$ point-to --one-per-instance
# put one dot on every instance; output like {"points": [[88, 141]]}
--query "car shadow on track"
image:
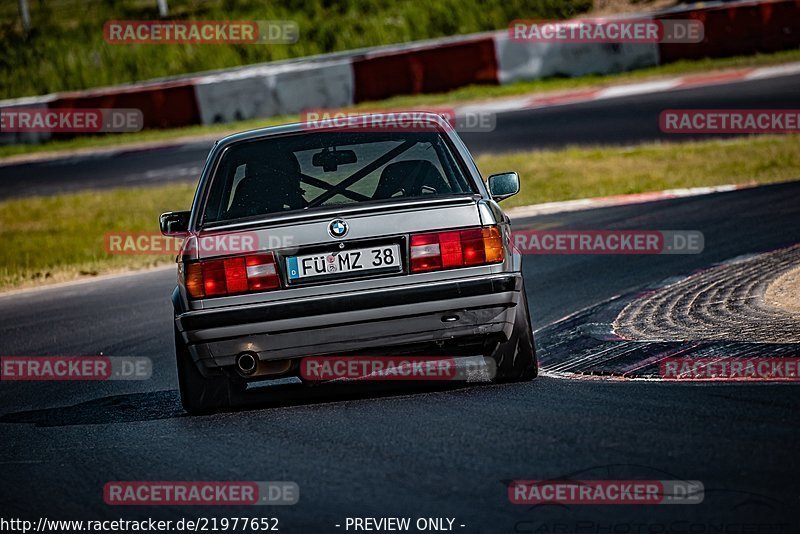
{"points": [[166, 404]]}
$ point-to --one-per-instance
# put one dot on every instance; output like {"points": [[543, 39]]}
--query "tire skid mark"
{"points": [[715, 314]]}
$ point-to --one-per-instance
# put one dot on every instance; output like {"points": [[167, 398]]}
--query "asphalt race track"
{"points": [[401, 451], [446, 452], [624, 120]]}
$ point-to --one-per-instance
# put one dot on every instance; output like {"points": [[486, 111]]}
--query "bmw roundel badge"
{"points": [[337, 228]]}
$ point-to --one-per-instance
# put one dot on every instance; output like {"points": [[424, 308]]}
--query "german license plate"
{"points": [[352, 261]]}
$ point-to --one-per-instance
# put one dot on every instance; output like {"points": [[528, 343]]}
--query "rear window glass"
{"points": [[322, 169]]}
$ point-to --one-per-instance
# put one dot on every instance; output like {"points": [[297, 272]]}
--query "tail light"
{"points": [[456, 248], [232, 276]]}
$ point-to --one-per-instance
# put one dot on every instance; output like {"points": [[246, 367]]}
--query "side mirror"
{"points": [[175, 223], [503, 185]]}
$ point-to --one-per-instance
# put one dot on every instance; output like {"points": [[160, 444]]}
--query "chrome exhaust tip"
{"points": [[246, 363]]}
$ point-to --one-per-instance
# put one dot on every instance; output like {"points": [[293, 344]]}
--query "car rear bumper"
{"points": [[354, 321]]}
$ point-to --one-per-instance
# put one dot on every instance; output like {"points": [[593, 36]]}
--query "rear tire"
{"points": [[516, 358], [202, 394]]}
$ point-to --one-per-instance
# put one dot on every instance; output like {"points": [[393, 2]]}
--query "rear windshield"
{"points": [[322, 169]]}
